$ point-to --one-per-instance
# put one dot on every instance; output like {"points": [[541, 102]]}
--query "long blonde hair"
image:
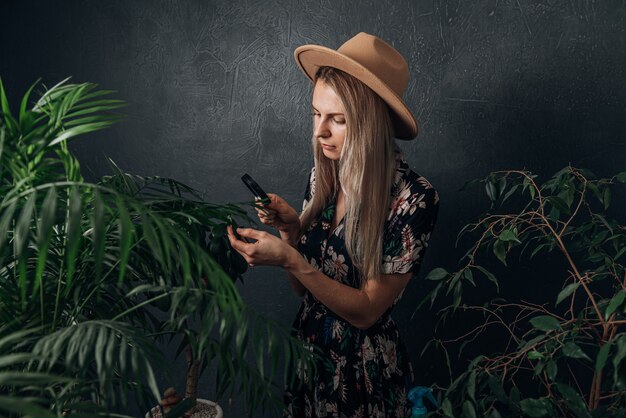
{"points": [[365, 171]]}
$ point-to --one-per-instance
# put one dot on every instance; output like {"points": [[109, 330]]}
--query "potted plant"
{"points": [[100, 271], [564, 356]]}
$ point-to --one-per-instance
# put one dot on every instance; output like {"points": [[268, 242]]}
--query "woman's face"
{"points": [[329, 120]]}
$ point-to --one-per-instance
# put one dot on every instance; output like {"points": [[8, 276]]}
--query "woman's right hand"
{"points": [[280, 215]]}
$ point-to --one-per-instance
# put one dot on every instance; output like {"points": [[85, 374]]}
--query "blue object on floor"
{"points": [[417, 395]]}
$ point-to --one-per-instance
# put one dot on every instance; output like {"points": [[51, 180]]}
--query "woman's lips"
{"points": [[328, 147]]}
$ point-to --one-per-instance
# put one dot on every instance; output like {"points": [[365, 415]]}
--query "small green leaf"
{"points": [[621, 177], [573, 400], [510, 192], [489, 276], [469, 276], [523, 345], [534, 355], [603, 355], [536, 408], [618, 357], [491, 190], [501, 185], [595, 190], [573, 350], [468, 184], [494, 413], [616, 302], [437, 274], [545, 323], [551, 369], [559, 204], [500, 251], [509, 235], [515, 394], [567, 291], [471, 385], [446, 408], [603, 220], [496, 388], [468, 410], [458, 294], [606, 197]]}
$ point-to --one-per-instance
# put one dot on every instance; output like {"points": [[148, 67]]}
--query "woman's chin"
{"points": [[331, 154]]}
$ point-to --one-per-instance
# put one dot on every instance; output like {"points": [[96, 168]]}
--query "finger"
{"points": [[250, 233], [265, 212], [264, 217], [260, 207], [234, 241], [231, 237], [271, 204], [239, 245]]}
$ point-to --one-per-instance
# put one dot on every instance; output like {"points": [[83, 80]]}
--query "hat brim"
{"points": [[311, 57]]}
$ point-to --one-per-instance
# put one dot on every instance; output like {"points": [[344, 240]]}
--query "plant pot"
{"points": [[207, 409]]}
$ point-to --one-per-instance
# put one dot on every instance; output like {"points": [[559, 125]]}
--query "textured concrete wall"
{"points": [[213, 92]]}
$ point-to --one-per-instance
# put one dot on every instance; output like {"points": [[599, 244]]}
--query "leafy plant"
{"points": [[566, 356], [100, 271]]}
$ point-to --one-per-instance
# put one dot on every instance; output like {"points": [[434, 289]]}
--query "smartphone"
{"points": [[257, 191]]}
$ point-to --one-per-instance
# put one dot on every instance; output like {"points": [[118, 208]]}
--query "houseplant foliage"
{"points": [[92, 274], [565, 357]]}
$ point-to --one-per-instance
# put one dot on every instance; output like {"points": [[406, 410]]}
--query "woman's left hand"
{"points": [[266, 250]]}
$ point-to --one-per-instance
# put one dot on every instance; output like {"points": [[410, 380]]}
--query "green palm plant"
{"points": [[100, 271]]}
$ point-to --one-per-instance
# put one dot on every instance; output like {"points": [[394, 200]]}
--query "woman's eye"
{"points": [[340, 121]]}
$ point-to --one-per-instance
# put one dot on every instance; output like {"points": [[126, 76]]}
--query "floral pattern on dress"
{"points": [[366, 373]]}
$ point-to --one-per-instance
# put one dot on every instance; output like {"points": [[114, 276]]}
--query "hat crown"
{"points": [[380, 58]]}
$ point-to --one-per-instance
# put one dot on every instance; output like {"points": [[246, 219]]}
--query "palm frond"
{"points": [[120, 352]]}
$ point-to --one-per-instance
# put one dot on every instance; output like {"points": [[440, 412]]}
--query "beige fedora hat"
{"points": [[375, 63]]}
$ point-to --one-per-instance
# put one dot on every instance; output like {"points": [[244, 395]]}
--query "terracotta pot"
{"points": [[220, 413]]}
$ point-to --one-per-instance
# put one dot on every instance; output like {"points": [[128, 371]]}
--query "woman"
{"points": [[361, 236]]}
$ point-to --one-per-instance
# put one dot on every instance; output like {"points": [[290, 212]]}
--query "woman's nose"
{"points": [[321, 129]]}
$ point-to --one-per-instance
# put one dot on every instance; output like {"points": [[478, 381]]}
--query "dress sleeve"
{"points": [[310, 189], [411, 220]]}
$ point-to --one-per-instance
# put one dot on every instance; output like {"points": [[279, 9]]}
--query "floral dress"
{"points": [[367, 373]]}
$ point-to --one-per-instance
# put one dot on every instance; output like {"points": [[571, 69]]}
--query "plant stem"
{"points": [[193, 369]]}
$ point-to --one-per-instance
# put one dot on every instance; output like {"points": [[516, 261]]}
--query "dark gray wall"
{"points": [[213, 92]]}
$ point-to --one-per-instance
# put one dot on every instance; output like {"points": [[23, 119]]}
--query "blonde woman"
{"points": [[361, 236]]}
